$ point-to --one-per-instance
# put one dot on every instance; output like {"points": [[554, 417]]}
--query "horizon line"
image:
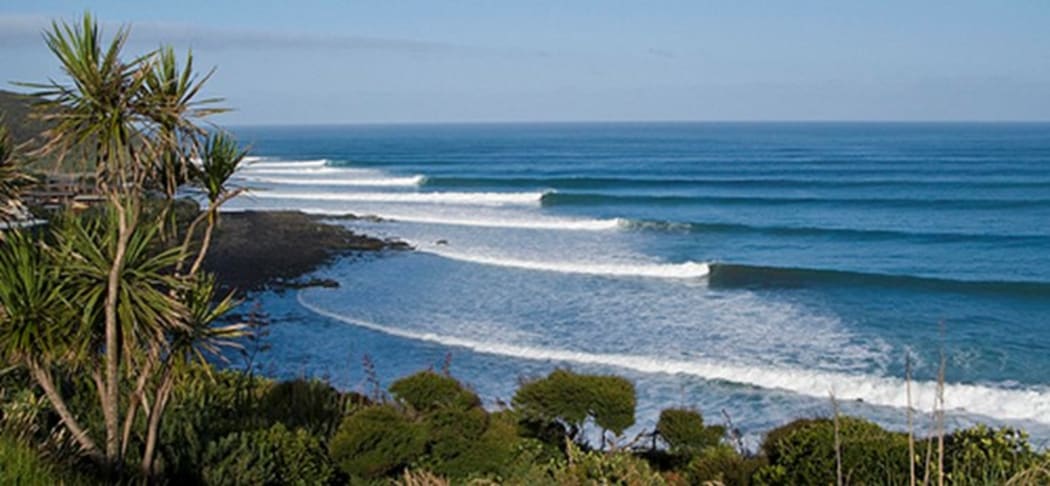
{"points": [[624, 122]]}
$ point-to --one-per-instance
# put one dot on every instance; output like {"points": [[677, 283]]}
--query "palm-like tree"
{"points": [[171, 94], [135, 317], [197, 342], [220, 160], [34, 321]]}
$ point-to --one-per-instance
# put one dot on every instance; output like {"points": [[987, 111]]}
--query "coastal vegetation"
{"points": [[117, 340]]}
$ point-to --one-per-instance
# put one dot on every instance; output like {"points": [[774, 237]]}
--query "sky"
{"points": [[409, 61]]}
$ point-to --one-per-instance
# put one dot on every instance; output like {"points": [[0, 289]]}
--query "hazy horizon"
{"points": [[325, 62]]}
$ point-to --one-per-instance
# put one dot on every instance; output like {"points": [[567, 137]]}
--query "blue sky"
{"points": [[344, 61]]}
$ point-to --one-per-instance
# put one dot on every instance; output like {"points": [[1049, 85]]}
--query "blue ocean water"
{"points": [[753, 268]]}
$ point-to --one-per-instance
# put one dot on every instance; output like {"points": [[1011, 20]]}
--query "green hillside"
{"points": [[15, 112]]}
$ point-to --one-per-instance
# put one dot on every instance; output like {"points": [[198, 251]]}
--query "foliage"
{"points": [[612, 468], [803, 452], [982, 455], [139, 318], [376, 441], [207, 406], [33, 307], [273, 456], [427, 391], [685, 433], [13, 177], [470, 443], [23, 466], [301, 403], [570, 399], [722, 464]]}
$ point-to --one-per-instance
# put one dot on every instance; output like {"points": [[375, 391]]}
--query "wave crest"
{"points": [[467, 198], [687, 270]]}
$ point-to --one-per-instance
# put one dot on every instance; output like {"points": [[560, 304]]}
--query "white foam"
{"points": [[254, 169], [654, 270], [286, 164], [484, 221], [341, 181], [470, 198], [1011, 404]]}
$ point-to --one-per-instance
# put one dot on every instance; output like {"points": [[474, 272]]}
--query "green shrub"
{"points": [[607, 468], [684, 431], [427, 391], [376, 441], [982, 455], [207, 407], [272, 456], [803, 452], [471, 443], [570, 399], [309, 404], [722, 464]]}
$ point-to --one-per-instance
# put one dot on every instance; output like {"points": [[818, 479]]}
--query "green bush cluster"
{"points": [[685, 433], [570, 399], [271, 456], [805, 451], [434, 422], [227, 427]]}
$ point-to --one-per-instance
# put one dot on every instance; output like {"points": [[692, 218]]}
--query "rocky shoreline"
{"points": [[253, 250]]}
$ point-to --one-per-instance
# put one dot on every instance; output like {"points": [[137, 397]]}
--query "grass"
{"points": [[21, 465]]}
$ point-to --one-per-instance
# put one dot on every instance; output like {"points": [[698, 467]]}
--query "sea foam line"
{"points": [[469, 198], [687, 270], [1009, 404], [253, 170], [486, 222], [340, 181], [285, 164]]}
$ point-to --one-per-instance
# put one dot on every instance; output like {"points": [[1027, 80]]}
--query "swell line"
{"points": [[686, 270], [1018, 404], [598, 199]]}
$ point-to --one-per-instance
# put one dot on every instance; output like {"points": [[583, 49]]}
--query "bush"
{"points": [[376, 441], [471, 443], [803, 452], [722, 464], [570, 399], [271, 456], [309, 404], [594, 467], [982, 455], [205, 408], [427, 391], [684, 431]]}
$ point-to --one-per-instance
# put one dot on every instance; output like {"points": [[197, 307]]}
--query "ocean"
{"points": [[749, 270]]}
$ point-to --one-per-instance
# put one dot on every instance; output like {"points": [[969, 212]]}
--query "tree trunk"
{"points": [[160, 402], [205, 243], [111, 401], [135, 399], [43, 378]]}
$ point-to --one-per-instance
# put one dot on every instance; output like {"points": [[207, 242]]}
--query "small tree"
{"points": [[685, 433], [127, 315], [570, 399]]}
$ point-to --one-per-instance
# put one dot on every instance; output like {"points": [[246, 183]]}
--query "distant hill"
{"points": [[14, 112], [15, 109]]}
